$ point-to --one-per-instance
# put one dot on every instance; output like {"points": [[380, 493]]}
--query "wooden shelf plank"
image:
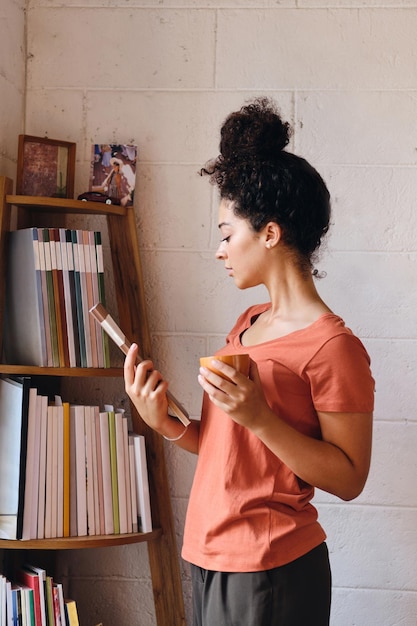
{"points": [[77, 543], [65, 205], [78, 372]]}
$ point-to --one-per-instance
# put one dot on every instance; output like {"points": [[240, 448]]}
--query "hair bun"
{"points": [[256, 132]]}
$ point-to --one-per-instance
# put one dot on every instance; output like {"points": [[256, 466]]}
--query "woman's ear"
{"points": [[272, 234]]}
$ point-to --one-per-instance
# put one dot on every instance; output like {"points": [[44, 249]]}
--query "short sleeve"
{"points": [[340, 376]]}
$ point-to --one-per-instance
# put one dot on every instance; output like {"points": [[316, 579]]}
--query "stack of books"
{"points": [[35, 599], [54, 276], [68, 470]]}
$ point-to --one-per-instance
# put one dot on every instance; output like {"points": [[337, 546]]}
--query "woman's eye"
{"points": [[225, 239]]}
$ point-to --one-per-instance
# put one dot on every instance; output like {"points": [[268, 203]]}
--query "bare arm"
{"points": [[338, 463], [147, 390]]}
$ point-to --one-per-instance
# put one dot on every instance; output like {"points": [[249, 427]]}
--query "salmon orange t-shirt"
{"points": [[247, 510]]}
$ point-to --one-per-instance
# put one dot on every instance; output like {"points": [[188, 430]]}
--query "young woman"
{"points": [[303, 417]]}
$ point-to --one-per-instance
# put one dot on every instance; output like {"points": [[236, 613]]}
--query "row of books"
{"points": [[53, 277], [35, 599], [68, 470]]}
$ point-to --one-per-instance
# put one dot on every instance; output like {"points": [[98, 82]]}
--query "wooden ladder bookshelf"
{"points": [[25, 211]]}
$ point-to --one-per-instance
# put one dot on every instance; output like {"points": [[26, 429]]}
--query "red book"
{"points": [[31, 580]]}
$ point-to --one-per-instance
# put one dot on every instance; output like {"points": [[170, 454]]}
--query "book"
{"points": [[101, 294], [88, 423], [100, 481], [31, 580], [73, 295], [71, 612], [36, 467], [66, 471], [73, 477], [96, 331], [133, 492], [59, 296], [83, 298], [67, 298], [106, 473], [113, 468], [3, 600], [59, 417], [28, 606], [61, 604], [49, 600], [109, 325], [41, 575], [78, 298], [14, 405], [127, 473], [40, 533], [24, 332], [89, 296], [80, 469], [51, 297], [121, 474], [30, 462], [94, 410], [51, 459], [45, 299], [142, 483]]}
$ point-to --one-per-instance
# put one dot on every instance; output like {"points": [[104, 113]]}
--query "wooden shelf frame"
{"points": [[129, 288]]}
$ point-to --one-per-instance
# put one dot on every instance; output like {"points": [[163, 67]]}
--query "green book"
{"points": [[113, 468]]}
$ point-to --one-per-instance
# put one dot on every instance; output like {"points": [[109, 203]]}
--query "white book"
{"points": [[2, 601], [73, 476], [94, 415], [36, 464], [142, 484], [9, 609], [91, 521], [127, 475], [121, 478], [59, 416], [60, 590], [133, 496], [50, 459], [100, 486], [14, 396], [80, 467], [30, 464], [42, 468], [106, 472]]}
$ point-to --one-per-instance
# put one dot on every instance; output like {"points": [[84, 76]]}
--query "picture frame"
{"points": [[113, 172], [45, 167]]}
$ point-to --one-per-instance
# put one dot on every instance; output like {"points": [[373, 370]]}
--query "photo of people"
{"points": [[113, 172]]}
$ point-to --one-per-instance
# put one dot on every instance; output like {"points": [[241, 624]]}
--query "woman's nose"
{"points": [[220, 252]]}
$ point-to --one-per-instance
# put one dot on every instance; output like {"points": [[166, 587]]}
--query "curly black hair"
{"points": [[267, 183]]}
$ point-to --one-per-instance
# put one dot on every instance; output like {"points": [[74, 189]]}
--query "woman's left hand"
{"points": [[240, 397]]}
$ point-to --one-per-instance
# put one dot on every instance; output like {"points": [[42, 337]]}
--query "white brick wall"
{"points": [[12, 82], [164, 74]]}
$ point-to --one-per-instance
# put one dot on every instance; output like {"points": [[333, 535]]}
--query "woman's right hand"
{"points": [[147, 390]]}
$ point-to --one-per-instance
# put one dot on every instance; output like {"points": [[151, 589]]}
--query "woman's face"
{"points": [[241, 248]]}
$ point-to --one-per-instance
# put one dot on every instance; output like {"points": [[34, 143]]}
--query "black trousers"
{"points": [[296, 594]]}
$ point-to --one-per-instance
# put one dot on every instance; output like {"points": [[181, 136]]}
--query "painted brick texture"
{"points": [[163, 75]]}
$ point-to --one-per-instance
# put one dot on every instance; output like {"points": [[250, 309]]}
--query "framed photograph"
{"points": [[113, 172], [45, 167]]}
